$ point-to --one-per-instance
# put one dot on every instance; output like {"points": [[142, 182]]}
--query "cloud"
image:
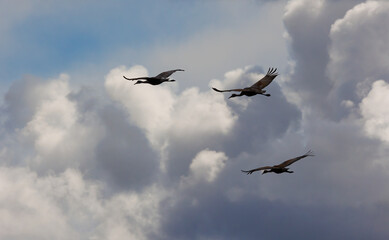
{"points": [[107, 147], [34, 204], [272, 130], [149, 108], [358, 55], [55, 116], [374, 111], [48, 126], [332, 78], [123, 157], [308, 32], [166, 117], [74, 205], [206, 166], [346, 158]]}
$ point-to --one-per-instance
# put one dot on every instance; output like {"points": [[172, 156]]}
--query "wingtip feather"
{"points": [[272, 71], [310, 153]]}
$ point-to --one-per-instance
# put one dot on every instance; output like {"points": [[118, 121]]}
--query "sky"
{"points": [[85, 154]]}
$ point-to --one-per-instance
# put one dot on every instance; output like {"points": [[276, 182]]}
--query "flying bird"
{"points": [[280, 168], [160, 78], [256, 88]]}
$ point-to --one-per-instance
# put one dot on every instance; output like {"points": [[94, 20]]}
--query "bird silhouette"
{"points": [[160, 78], [256, 88], [280, 168]]}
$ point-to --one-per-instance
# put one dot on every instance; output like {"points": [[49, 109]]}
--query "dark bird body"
{"points": [[256, 88], [280, 168], [160, 78]]}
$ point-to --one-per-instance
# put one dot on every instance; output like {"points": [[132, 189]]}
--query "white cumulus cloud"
{"points": [[206, 166], [190, 116], [375, 111]]}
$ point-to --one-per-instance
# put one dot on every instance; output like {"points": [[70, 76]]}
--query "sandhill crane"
{"points": [[160, 78], [256, 88], [280, 168]]}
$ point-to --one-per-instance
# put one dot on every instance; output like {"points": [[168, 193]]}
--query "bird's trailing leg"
{"points": [[266, 171], [263, 93], [247, 172], [236, 95], [138, 82]]}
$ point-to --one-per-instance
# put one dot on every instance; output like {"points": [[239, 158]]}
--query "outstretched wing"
{"points": [[266, 80], [138, 78], [167, 73], [229, 90], [256, 169], [290, 161]]}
